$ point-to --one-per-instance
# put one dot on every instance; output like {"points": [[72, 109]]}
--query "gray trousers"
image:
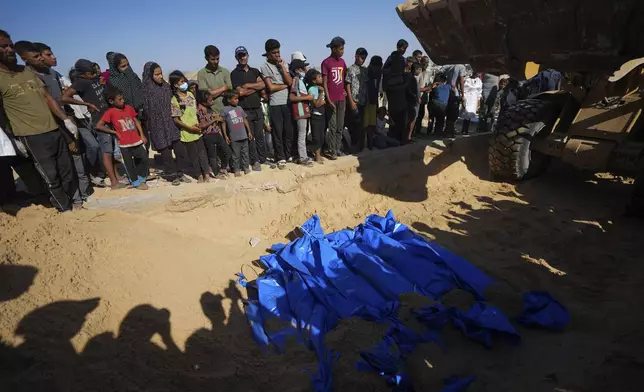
{"points": [[240, 155], [302, 127], [336, 126], [81, 194]]}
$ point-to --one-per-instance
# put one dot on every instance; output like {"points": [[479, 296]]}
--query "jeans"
{"points": [[282, 125], [216, 144], [54, 163], [135, 160], [257, 146], [318, 130], [336, 126], [240, 155], [382, 142], [82, 192], [92, 149], [182, 164], [438, 111], [198, 158], [451, 114], [302, 128]]}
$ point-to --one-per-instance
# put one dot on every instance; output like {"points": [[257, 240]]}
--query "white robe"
{"points": [[473, 90]]}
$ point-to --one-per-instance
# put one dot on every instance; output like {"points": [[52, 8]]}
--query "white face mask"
{"points": [[184, 87]]}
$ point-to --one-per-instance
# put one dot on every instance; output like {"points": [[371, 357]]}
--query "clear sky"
{"points": [[174, 33]]}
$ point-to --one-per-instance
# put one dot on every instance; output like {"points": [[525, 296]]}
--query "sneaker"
{"points": [[238, 174], [257, 166], [185, 179], [143, 187], [246, 171], [281, 165], [304, 162], [290, 160], [98, 182]]}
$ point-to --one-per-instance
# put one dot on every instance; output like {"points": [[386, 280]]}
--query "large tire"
{"points": [[510, 156]]}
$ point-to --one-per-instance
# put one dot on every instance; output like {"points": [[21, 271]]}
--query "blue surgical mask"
{"points": [[302, 74], [184, 86]]}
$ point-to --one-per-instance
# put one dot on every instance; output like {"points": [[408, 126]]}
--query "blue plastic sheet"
{"points": [[541, 310], [456, 384], [318, 279]]}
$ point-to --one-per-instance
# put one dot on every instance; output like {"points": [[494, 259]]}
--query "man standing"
{"points": [[356, 85], [278, 80], [214, 78], [248, 83], [29, 108], [334, 71], [456, 78], [425, 82]]}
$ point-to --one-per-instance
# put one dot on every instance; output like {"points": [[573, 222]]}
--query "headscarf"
{"points": [[128, 82], [157, 109]]}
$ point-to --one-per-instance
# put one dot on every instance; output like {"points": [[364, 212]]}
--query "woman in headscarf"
{"points": [[164, 134], [123, 78]]}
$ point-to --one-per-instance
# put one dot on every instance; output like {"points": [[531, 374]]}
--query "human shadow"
{"points": [[402, 174], [562, 233], [47, 360], [15, 280]]}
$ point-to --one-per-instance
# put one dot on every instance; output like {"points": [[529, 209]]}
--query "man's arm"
{"points": [[258, 85], [53, 105], [101, 127], [273, 87], [68, 98], [285, 74], [326, 90]]}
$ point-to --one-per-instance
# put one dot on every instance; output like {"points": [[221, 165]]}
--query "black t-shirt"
{"points": [[91, 91], [239, 77]]}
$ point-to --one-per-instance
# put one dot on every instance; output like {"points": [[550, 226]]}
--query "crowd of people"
{"points": [[71, 133]]}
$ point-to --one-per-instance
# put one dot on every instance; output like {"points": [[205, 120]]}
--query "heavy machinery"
{"points": [[594, 121]]}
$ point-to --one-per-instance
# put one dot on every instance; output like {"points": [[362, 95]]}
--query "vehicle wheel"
{"points": [[510, 156]]}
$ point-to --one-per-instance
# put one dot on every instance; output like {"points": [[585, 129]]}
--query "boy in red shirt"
{"points": [[127, 128]]}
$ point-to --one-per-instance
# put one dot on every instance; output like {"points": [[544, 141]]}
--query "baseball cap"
{"points": [[84, 65], [298, 56], [362, 52], [336, 41], [271, 45], [240, 49], [295, 64]]}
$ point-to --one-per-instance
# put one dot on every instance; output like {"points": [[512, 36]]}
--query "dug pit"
{"points": [[138, 294]]}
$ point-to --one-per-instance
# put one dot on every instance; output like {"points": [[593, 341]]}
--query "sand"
{"points": [[137, 293]]}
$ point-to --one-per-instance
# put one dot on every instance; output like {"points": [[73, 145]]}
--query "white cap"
{"points": [[504, 76], [298, 56]]}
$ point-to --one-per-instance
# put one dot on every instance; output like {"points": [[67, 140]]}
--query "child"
{"points": [[439, 98], [374, 90], [129, 133], [301, 101], [210, 124], [193, 87], [334, 72], [236, 132], [315, 84], [184, 113], [381, 138]]}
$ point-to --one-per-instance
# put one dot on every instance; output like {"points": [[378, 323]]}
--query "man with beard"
{"points": [[248, 82], [28, 107]]}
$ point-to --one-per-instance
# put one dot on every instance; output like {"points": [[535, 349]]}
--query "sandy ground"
{"points": [[137, 293]]}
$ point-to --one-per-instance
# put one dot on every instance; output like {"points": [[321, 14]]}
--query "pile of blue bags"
{"points": [[316, 280]]}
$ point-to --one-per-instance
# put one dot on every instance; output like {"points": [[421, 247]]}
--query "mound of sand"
{"points": [[139, 294]]}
